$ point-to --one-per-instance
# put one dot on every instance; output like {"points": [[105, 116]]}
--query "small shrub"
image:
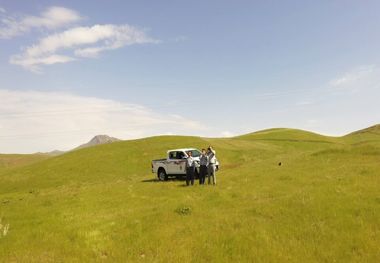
{"points": [[183, 211]]}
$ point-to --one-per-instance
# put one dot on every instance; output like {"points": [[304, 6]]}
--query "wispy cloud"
{"points": [[82, 42], [51, 18], [356, 78], [41, 121]]}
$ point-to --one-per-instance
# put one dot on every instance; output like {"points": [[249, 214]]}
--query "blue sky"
{"points": [[74, 69]]}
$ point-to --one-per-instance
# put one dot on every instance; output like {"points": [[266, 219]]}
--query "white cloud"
{"points": [[52, 18], [31, 62], [360, 76], [82, 41], [32, 121], [2, 10]]}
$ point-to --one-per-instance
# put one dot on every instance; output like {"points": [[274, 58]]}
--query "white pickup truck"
{"points": [[175, 164]]}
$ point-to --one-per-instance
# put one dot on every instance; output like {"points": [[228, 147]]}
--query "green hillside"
{"points": [[365, 136], [8, 161], [103, 204], [283, 134]]}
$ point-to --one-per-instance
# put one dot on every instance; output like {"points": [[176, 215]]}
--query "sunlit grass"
{"points": [[103, 204]]}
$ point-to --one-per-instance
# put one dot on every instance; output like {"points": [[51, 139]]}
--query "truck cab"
{"points": [[176, 160], [175, 163]]}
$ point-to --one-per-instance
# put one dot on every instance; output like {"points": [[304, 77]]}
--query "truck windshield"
{"points": [[195, 153]]}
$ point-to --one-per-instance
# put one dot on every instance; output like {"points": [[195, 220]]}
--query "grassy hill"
{"points": [[8, 161], [103, 204], [365, 136]]}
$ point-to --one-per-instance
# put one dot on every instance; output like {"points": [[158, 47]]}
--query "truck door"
{"points": [[175, 163]]}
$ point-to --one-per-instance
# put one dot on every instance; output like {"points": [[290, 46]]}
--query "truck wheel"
{"points": [[161, 174]]}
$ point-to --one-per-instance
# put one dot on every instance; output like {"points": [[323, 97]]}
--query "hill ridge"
{"points": [[375, 129]]}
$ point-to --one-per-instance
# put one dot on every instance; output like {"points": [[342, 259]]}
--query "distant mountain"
{"points": [[97, 140], [52, 153]]}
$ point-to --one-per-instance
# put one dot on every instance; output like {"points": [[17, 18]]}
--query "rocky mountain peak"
{"points": [[99, 139]]}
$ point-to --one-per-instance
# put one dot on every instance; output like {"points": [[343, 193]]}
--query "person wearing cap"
{"points": [[211, 153]]}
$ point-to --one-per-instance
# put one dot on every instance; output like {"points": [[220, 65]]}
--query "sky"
{"points": [[70, 70]]}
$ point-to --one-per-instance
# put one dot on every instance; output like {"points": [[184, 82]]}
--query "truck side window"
{"points": [[173, 155], [180, 155]]}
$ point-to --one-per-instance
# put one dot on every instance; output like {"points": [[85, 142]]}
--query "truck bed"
{"points": [[159, 160]]}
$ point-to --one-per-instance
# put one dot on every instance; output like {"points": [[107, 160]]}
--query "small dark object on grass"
{"points": [[279, 164], [183, 211]]}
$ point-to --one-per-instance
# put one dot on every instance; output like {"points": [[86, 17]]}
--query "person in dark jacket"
{"points": [[203, 162], [190, 168]]}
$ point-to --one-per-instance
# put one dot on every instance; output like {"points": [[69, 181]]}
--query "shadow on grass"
{"points": [[181, 180], [170, 179], [151, 181], [196, 184]]}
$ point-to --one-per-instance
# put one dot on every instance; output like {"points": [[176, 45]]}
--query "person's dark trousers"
{"points": [[202, 174], [190, 175]]}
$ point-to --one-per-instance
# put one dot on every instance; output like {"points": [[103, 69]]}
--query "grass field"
{"points": [[102, 204], [8, 161]]}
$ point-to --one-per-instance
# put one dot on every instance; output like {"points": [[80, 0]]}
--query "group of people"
{"points": [[207, 167]]}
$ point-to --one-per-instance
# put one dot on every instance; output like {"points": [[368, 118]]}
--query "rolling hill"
{"points": [[103, 204], [8, 161]]}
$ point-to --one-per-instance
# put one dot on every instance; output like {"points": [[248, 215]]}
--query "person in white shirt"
{"points": [[211, 153], [190, 168]]}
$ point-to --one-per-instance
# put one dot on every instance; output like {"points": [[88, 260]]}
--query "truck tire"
{"points": [[161, 174]]}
